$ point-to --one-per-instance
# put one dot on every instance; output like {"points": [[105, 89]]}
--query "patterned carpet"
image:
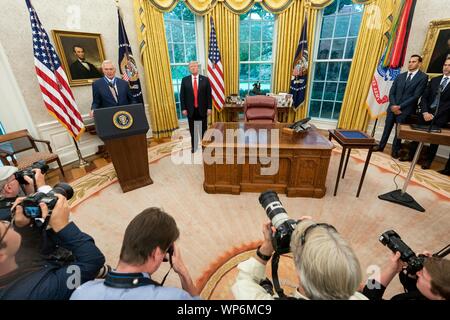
{"points": [[216, 236]]}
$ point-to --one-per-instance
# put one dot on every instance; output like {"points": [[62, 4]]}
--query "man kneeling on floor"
{"points": [[149, 238]]}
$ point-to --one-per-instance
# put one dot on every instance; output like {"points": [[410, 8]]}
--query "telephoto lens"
{"points": [[274, 209], [64, 189]]}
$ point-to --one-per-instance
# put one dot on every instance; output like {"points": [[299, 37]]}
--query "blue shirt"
{"points": [[96, 290]]}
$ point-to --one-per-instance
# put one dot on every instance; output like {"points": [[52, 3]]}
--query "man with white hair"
{"points": [[110, 91]]}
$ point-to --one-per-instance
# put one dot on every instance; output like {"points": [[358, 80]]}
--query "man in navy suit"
{"points": [[196, 101], [437, 94], [110, 91], [403, 96]]}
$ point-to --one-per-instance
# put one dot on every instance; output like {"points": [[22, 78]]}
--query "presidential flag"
{"points": [[58, 97], [299, 77], [215, 70], [127, 64]]}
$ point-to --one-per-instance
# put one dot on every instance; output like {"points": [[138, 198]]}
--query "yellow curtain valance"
{"points": [[320, 4], [202, 7]]}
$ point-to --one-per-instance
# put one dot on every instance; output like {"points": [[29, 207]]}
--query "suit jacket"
{"points": [[406, 94], [78, 71], [187, 95], [103, 98], [428, 97]]}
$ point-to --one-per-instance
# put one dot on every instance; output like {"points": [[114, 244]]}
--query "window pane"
{"points": [[314, 110], [189, 32], [330, 91], [337, 110], [330, 9], [255, 54], [179, 52], [243, 71], [266, 71], [243, 88], [168, 32], [177, 32], [345, 71], [350, 49], [358, 7], [170, 53], [244, 31], [244, 51], [341, 91], [254, 71], [342, 23], [266, 51], [324, 49], [321, 70], [354, 25], [267, 34], [255, 31], [327, 110], [317, 90], [327, 27], [345, 6], [333, 71], [187, 14], [265, 87], [191, 53], [337, 52]]}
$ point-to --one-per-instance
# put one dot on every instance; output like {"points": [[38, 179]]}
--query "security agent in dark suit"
{"points": [[403, 96], [436, 93], [110, 91], [196, 101], [81, 69]]}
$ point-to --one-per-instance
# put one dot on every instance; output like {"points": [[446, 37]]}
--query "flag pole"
{"points": [[374, 127], [81, 161]]}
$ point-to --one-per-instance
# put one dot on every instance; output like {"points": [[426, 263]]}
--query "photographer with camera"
{"points": [[49, 281], [424, 277], [14, 183], [326, 265], [149, 239]]}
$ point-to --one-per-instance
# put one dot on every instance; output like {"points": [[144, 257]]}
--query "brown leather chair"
{"points": [[16, 142], [261, 109]]}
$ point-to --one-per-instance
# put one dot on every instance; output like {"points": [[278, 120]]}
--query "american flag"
{"points": [[58, 97], [215, 70]]}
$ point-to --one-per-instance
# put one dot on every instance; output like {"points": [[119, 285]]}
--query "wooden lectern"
{"points": [[123, 129], [404, 131]]}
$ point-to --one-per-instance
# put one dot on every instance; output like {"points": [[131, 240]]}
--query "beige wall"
{"points": [[96, 16]]}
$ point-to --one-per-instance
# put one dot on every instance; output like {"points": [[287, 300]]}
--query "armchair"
{"points": [[261, 109]]}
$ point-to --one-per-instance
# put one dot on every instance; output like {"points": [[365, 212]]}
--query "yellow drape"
{"points": [[289, 26], [369, 48], [320, 4], [155, 59], [227, 30]]}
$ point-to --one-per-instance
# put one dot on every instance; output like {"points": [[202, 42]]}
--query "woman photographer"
{"points": [[326, 266]]}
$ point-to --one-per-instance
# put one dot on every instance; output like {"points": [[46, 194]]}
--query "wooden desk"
{"points": [[232, 112], [303, 160], [349, 145]]}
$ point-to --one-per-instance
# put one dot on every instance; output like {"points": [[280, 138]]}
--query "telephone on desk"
{"points": [[301, 125]]}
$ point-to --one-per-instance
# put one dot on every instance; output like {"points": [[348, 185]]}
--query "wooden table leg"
{"points": [[346, 162], [364, 171], [339, 171]]}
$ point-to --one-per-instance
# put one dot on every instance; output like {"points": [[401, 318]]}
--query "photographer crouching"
{"points": [[326, 265], [424, 276], [49, 281]]}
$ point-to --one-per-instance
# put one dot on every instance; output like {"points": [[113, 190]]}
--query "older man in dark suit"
{"points": [[403, 96], [196, 101], [435, 105]]}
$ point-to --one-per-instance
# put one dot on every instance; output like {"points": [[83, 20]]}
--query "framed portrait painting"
{"points": [[81, 55], [437, 46]]}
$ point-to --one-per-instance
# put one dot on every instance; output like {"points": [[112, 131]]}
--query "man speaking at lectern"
{"points": [[110, 91]]}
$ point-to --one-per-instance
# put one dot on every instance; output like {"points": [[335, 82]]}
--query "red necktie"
{"points": [[195, 93]]}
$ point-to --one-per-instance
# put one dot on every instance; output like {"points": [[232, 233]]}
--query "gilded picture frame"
{"points": [[436, 47], [81, 55]]}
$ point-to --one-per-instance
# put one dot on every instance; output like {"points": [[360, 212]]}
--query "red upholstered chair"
{"points": [[261, 109]]}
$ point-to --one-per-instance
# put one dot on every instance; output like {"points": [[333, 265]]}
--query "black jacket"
{"points": [[78, 71], [187, 95], [444, 103]]}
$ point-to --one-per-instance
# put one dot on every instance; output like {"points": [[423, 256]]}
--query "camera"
{"points": [[280, 220], [21, 174], [392, 240], [30, 204]]}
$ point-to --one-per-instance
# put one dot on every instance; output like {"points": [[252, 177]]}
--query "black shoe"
{"points": [[426, 165], [445, 172], [405, 158], [395, 155], [377, 148]]}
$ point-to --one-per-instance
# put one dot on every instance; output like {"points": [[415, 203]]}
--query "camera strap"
{"points": [[128, 280], [275, 280]]}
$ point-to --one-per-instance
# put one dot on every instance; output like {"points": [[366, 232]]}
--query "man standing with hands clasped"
{"points": [[403, 96], [196, 102]]}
